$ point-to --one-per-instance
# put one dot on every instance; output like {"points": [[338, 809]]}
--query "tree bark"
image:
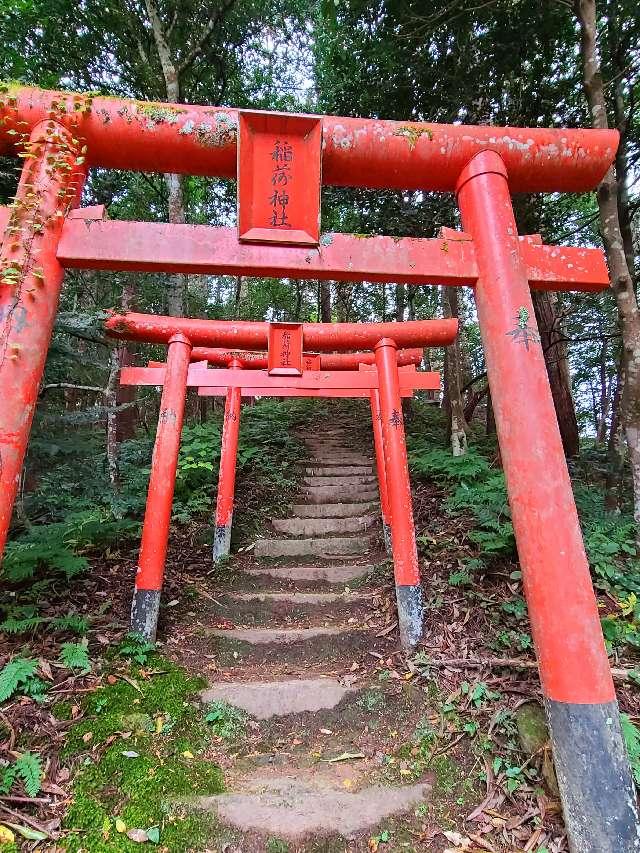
{"points": [[621, 276], [453, 386], [325, 302], [177, 283], [401, 303], [556, 360]]}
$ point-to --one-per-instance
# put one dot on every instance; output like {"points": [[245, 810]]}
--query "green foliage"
{"points": [[28, 769], [17, 675], [54, 546], [75, 656], [631, 735], [227, 721], [135, 647], [477, 488]]}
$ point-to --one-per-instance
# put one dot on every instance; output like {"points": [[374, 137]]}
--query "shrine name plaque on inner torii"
{"points": [[279, 176]]}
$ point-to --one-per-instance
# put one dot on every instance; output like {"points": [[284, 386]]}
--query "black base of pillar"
{"points": [[410, 612], [221, 542], [597, 791], [145, 609]]}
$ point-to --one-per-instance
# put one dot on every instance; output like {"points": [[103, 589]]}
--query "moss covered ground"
{"points": [[139, 755]]}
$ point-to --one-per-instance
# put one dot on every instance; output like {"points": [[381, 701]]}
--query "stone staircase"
{"points": [[338, 512], [294, 637]]}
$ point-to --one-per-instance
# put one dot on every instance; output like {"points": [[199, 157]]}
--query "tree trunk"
{"points": [[555, 356], [325, 302], [177, 283], [621, 277], [401, 303], [615, 449], [455, 408]]}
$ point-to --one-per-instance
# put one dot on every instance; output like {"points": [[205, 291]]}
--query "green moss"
{"points": [[111, 708], [448, 774], [61, 710], [412, 134], [138, 779]]}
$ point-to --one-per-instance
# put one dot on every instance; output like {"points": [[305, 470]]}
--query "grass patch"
{"points": [[153, 731]]}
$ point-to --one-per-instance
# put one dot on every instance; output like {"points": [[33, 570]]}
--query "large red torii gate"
{"points": [[61, 134]]}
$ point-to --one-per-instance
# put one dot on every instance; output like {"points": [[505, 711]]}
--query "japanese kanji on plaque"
{"points": [[279, 178]]}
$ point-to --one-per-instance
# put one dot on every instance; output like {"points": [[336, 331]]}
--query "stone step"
{"points": [[301, 598], [339, 494], [331, 510], [338, 574], [341, 462], [323, 526], [290, 609], [345, 479], [338, 471], [300, 806], [280, 636], [266, 699], [335, 545]]}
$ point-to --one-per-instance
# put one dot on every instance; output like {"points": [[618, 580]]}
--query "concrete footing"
{"points": [[145, 609]]}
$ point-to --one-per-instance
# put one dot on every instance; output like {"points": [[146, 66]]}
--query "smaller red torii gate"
{"points": [[386, 378]]}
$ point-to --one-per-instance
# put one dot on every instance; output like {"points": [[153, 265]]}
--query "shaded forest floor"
{"points": [[122, 743]]}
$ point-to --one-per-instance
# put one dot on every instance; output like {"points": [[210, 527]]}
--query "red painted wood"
{"points": [[224, 377], [229, 454], [279, 177], [163, 247], [284, 353], [403, 539], [164, 464], [557, 583], [321, 337], [378, 443], [201, 140], [325, 361], [28, 302]]}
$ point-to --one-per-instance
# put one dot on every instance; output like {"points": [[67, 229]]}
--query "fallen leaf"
{"points": [[187, 754], [153, 834], [28, 833], [326, 732], [121, 826], [345, 756], [87, 736], [6, 836], [138, 835], [129, 753]]}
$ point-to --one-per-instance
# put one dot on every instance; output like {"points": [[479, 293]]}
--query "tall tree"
{"points": [[609, 205]]}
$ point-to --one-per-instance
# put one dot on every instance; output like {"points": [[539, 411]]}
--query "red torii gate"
{"points": [[384, 384], [61, 134]]}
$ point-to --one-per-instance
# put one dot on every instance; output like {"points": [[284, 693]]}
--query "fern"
{"points": [[29, 769], [75, 656], [13, 625], [7, 778], [17, 672], [71, 622]]}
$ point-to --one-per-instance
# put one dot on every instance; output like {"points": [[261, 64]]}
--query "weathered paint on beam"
{"points": [[245, 334], [201, 140], [258, 379], [200, 249]]}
